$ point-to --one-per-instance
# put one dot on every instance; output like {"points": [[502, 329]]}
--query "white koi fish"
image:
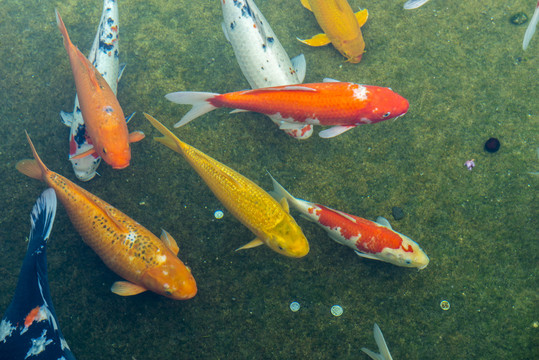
{"points": [[262, 59], [104, 56], [371, 240]]}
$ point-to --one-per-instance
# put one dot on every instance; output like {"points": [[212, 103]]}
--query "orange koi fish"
{"points": [[104, 118], [343, 105], [125, 246], [341, 27]]}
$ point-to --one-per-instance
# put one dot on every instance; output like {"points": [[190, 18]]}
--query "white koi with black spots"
{"points": [[262, 59], [104, 56]]}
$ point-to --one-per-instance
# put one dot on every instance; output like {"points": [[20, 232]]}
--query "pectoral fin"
{"points": [[317, 40], [136, 136], [83, 154], [334, 131], [306, 4], [361, 17], [125, 288], [169, 241], [256, 242], [284, 204]]}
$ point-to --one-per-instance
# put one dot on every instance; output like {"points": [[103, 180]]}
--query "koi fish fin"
{"points": [[169, 241], [300, 133], [384, 222], [125, 288], [530, 30], [414, 4], [128, 119], [223, 27], [306, 5], [317, 40], [330, 80], [256, 242], [83, 154], [382, 346], [281, 88], [284, 204], [33, 168], [238, 111], [361, 17], [169, 140], [121, 71], [199, 101], [136, 136], [335, 131], [63, 30], [300, 66], [66, 118], [368, 256]]}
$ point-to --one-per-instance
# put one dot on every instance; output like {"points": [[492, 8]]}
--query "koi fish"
{"points": [[269, 220], [125, 246], [104, 118], [262, 59], [29, 328], [104, 57], [371, 240], [341, 27], [344, 105], [414, 4], [530, 30]]}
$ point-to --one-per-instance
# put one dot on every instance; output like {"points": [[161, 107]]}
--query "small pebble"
{"points": [[218, 214], [336, 310], [294, 306], [519, 18], [445, 305], [397, 212]]}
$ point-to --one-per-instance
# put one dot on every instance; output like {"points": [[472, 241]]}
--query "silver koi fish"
{"points": [[260, 55], [104, 56]]}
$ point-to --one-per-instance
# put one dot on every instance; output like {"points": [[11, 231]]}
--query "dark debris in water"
{"points": [[519, 18]]}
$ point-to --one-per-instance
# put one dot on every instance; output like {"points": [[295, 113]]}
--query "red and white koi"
{"points": [[343, 105], [104, 56], [371, 240], [260, 55]]}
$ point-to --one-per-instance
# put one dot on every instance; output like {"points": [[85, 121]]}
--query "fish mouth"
{"points": [[120, 167]]}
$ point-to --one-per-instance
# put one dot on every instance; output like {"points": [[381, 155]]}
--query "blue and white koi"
{"points": [[29, 328], [260, 55], [104, 56], [371, 240]]}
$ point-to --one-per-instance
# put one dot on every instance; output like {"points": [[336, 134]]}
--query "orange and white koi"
{"points": [[371, 240], [268, 219], [341, 27], [104, 118], [125, 246], [344, 105]]}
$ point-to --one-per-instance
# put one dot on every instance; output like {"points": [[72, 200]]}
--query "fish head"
{"points": [[385, 104], [353, 49], [287, 238], [409, 254], [171, 279], [115, 151]]}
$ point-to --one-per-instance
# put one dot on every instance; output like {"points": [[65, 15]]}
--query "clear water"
{"points": [[461, 66]]}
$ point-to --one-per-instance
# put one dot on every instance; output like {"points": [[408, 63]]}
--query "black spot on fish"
{"points": [[232, 25], [80, 136], [264, 47], [110, 22], [103, 46], [270, 39]]}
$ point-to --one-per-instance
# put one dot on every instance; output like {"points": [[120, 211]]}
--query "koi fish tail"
{"points": [[199, 100], [170, 140], [279, 193], [41, 219], [63, 29], [32, 168]]}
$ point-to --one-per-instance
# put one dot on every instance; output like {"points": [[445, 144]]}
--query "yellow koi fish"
{"points": [[251, 205], [341, 27]]}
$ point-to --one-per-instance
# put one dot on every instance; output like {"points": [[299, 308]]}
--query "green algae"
{"points": [[456, 64]]}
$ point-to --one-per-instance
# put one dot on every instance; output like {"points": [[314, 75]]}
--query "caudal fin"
{"points": [[199, 100], [41, 219], [32, 168], [170, 140], [62, 28]]}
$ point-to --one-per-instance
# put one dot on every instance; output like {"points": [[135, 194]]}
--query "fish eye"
{"points": [[408, 262], [104, 151], [386, 114], [280, 247]]}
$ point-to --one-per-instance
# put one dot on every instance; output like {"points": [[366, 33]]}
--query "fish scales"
{"points": [[235, 191]]}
